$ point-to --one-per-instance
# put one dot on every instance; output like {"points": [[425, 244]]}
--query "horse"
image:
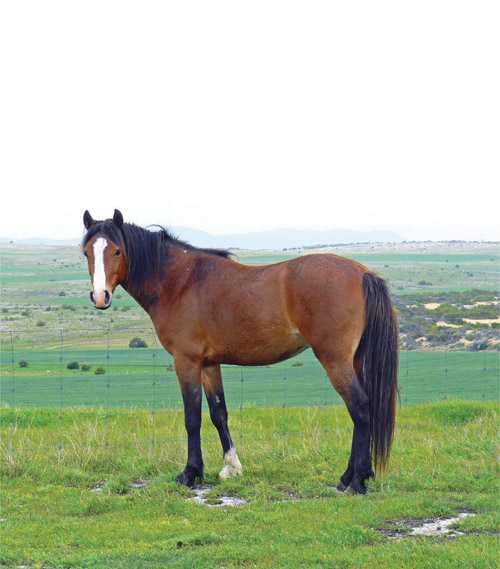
{"points": [[208, 309]]}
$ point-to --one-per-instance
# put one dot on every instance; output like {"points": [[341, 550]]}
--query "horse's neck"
{"points": [[145, 298], [153, 290]]}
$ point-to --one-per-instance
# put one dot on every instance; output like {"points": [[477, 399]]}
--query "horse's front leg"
{"points": [[189, 375], [214, 390]]}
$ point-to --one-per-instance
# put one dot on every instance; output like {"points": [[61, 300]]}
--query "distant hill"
{"points": [[276, 239], [40, 241], [284, 238]]}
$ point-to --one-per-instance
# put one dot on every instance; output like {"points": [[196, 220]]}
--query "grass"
{"points": [[138, 378], [293, 518]]}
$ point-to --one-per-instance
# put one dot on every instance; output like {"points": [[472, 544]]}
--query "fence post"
{"points": [[154, 389], [284, 405], [13, 418], [405, 388], [445, 382], [327, 386], [241, 406], [61, 331], [484, 381], [108, 357]]}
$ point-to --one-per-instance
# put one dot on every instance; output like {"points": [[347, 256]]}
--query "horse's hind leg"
{"points": [[214, 390], [348, 475], [345, 381]]}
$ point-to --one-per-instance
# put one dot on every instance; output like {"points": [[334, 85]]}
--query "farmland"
{"points": [[48, 323], [45, 288], [145, 377], [93, 433]]}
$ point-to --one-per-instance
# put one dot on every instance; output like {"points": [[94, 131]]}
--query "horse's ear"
{"points": [[118, 218], [88, 222]]}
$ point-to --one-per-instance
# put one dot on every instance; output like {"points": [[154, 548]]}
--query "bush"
{"points": [[137, 343], [73, 365], [62, 293], [40, 323], [100, 370], [86, 367], [23, 363]]}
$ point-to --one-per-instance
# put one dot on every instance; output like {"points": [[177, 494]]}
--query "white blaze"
{"points": [[99, 272]]}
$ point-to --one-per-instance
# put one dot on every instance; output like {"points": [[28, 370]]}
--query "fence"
{"points": [[61, 377]]}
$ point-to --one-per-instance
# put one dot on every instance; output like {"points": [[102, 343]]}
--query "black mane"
{"points": [[147, 251]]}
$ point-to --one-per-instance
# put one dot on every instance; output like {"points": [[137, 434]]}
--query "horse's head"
{"points": [[104, 248]]}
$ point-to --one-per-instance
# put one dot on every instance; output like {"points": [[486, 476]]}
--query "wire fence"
{"points": [[60, 378]]}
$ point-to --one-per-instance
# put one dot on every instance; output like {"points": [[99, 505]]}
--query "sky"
{"points": [[234, 117]]}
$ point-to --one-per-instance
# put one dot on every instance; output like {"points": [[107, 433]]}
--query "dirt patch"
{"points": [[488, 321], [429, 527]]}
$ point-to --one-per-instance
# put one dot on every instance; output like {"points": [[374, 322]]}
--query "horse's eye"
{"points": [[118, 252]]}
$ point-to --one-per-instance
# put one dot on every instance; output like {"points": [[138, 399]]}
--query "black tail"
{"points": [[379, 351]]}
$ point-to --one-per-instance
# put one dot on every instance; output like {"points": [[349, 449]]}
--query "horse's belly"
{"points": [[260, 351]]}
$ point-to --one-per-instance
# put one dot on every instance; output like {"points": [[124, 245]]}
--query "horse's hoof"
{"points": [[186, 479], [356, 489], [341, 487]]}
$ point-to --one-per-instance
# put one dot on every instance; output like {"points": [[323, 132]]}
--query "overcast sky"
{"points": [[243, 116]]}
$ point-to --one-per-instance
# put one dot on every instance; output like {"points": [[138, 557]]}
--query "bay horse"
{"points": [[208, 310]]}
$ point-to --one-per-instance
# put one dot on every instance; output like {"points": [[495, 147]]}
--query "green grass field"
{"points": [[139, 378], [65, 433], [293, 518]]}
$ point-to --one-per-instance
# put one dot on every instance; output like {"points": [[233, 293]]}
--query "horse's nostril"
{"points": [[107, 297], [92, 297]]}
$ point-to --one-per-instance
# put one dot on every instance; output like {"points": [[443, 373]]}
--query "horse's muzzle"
{"points": [[101, 300]]}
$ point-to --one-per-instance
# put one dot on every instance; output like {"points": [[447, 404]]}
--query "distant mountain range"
{"points": [[276, 239]]}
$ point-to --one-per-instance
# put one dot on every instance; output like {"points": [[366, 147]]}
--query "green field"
{"points": [[52, 516], [142, 378]]}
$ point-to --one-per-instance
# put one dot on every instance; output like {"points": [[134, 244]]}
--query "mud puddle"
{"points": [[201, 497], [429, 527]]}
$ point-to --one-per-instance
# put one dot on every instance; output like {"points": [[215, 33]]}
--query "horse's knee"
{"points": [[358, 406], [218, 413]]}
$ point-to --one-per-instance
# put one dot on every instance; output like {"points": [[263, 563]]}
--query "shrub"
{"points": [[137, 343], [100, 370], [86, 367], [62, 293], [23, 363], [73, 365], [40, 323]]}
